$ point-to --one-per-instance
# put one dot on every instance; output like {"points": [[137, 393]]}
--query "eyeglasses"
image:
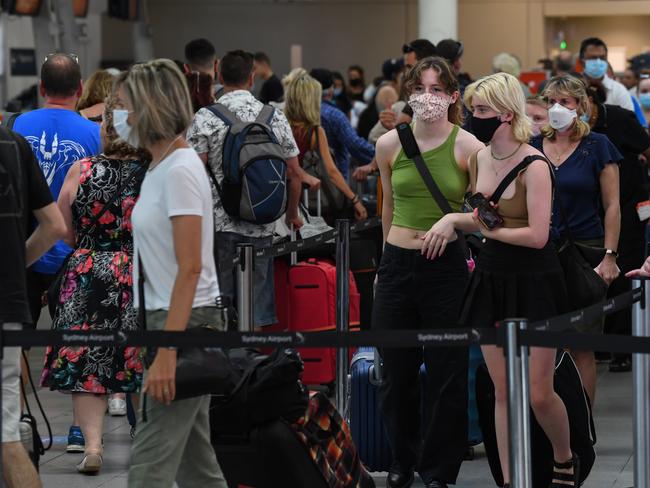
{"points": [[72, 56]]}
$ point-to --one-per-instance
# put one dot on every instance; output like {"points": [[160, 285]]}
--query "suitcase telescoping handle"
{"points": [[305, 200]]}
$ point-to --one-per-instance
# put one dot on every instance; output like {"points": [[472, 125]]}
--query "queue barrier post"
{"points": [[245, 286], [518, 417], [641, 373], [342, 307]]}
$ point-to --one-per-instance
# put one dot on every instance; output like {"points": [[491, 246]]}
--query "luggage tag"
{"points": [[643, 210]]}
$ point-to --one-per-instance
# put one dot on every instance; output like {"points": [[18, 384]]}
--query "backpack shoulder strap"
{"points": [[266, 115], [514, 172], [224, 113]]}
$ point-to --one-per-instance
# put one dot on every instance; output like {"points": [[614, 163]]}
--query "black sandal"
{"points": [[566, 478]]}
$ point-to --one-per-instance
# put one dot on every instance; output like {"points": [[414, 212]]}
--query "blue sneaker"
{"points": [[76, 442]]}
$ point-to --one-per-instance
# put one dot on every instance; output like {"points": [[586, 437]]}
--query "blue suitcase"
{"points": [[366, 423]]}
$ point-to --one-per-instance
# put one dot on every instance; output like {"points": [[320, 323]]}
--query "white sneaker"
{"points": [[116, 406]]}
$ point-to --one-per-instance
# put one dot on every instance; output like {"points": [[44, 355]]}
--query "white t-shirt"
{"points": [[178, 185], [617, 94]]}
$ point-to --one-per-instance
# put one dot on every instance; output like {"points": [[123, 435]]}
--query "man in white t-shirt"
{"points": [[593, 56], [207, 134]]}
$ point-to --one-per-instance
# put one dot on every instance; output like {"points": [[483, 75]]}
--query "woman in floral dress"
{"points": [[97, 290]]}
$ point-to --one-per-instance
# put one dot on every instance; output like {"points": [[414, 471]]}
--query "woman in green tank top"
{"points": [[416, 292]]}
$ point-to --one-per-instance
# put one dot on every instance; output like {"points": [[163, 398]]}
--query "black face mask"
{"points": [[356, 82], [484, 129]]}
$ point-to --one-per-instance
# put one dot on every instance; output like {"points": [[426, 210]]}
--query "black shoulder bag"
{"points": [[54, 290], [584, 286], [412, 151]]}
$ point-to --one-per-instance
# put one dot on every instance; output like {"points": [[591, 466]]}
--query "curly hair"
{"points": [[570, 86]]}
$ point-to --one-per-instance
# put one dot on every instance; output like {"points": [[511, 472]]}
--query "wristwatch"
{"points": [[611, 252]]}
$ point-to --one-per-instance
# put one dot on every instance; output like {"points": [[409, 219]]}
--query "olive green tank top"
{"points": [[413, 205]]}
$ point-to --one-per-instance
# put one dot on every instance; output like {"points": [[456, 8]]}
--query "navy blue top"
{"points": [[577, 186]]}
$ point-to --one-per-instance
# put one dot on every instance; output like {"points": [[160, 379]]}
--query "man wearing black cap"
{"points": [[342, 138]]}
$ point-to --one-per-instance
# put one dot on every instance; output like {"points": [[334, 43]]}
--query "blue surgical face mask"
{"points": [[338, 91], [644, 100], [585, 118], [122, 127], [596, 68]]}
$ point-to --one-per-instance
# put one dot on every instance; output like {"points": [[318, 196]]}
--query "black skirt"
{"points": [[514, 282]]}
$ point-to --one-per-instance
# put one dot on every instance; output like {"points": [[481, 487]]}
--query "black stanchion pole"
{"points": [[641, 373], [518, 431], [245, 287], [342, 307], [2, 355]]}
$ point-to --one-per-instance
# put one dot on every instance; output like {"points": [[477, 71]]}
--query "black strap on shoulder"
{"points": [[514, 172], [412, 151]]}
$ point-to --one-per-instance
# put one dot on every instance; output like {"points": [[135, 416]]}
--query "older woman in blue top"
{"points": [[586, 182]]}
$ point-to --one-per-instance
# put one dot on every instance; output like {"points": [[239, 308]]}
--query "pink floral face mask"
{"points": [[428, 107]]}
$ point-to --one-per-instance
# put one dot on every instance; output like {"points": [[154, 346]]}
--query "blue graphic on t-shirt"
{"points": [[58, 137]]}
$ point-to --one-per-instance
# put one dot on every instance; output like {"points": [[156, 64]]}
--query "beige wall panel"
{"points": [[333, 34], [581, 8], [629, 31], [488, 28]]}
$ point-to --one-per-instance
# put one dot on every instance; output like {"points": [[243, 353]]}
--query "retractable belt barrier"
{"points": [[556, 333]]}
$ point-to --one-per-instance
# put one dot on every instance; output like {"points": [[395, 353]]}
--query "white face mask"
{"points": [[560, 117], [122, 127]]}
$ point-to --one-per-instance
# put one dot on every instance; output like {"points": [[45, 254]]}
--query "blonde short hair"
{"points": [[569, 86], [161, 102], [502, 93], [506, 63], [96, 89], [302, 98]]}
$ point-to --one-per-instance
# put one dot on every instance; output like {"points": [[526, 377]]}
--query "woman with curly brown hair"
{"points": [[96, 200]]}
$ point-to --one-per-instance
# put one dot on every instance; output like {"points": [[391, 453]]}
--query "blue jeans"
{"points": [[263, 284]]}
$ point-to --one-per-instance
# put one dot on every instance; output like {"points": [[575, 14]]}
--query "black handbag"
{"points": [[584, 286], [54, 290], [199, 370]]}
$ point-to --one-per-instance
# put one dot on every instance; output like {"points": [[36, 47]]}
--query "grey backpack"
{"points": [[254, 186]]}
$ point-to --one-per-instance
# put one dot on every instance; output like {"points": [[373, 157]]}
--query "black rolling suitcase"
{"points": [[568, 386]]}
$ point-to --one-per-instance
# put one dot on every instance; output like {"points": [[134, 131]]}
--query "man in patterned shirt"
{"points": [[206, 135]]}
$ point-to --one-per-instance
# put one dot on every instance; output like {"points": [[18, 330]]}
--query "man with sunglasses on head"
{"points": [[58, 136]]}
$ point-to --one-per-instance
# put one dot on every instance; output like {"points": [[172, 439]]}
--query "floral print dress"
{"points": [[97, 290]]}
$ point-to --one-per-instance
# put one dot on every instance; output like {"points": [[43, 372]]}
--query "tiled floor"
{"points": [[613, 467]]}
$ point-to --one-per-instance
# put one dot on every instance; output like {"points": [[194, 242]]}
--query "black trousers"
{"points": [[37, 284], [416, 293]]}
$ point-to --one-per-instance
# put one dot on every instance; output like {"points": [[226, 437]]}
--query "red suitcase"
{"points": [[306, 301]]}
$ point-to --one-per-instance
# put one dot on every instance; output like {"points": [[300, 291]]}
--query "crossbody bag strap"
{"points": [[514, 172], [412, 151]]}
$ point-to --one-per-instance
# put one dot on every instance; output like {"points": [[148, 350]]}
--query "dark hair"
{"points": [[356, 67], [591, 41], [261, 57], [61, 75], [446, 77], [200, 52], [450, 49], [236, 67], [322, 76], [423, 48], [596, 91], [336, 75]]}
